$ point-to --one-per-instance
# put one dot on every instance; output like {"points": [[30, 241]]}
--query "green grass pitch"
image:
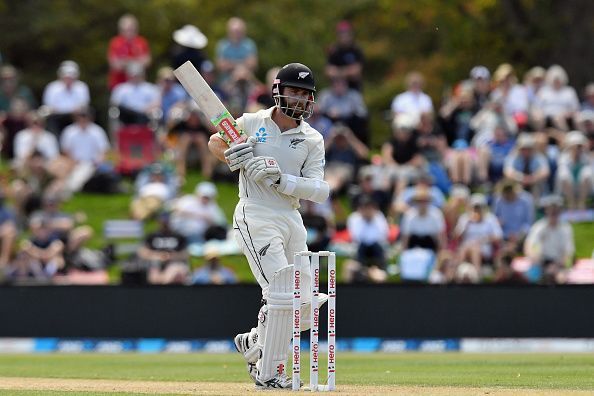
{"points": [[419, 373]]}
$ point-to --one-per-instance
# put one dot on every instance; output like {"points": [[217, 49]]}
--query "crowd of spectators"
{"points": [[460, 192]]}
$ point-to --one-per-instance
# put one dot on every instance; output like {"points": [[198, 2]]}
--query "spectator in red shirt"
{"points": [[127, 47]]}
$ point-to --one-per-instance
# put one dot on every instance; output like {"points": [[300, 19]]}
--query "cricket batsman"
{"points": [[281, 162]]}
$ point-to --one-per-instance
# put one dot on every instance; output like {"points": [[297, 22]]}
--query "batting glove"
{"points": [[238, 155], [260, 168]]}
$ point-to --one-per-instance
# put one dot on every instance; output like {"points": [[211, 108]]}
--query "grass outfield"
{"points": [[414, 373]]}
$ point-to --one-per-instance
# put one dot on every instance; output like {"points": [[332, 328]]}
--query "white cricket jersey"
{"points": [[298, 152]]}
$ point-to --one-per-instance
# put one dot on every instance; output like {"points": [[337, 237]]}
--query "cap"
{"points": [[525, 141], [460, 191], [165, 73], [8, 71], [467, 272], [503, 71], [190, 36], [480, 72], [405, 121], [68, 68], [575, 138], [537, 72], [551, 200], [366, 172], [211, 252], [509, 185], [478, 200], [422, 194], [206, 189]]}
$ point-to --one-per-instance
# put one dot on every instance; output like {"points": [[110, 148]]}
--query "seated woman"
{"points": [[479, 233], [423, 225]]}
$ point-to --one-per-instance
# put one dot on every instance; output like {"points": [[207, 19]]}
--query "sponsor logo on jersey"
{"points": [[294, 142], [303, 75], [262, 252], [261, 135]]}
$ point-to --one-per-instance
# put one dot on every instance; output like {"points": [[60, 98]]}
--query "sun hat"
{"points": [[190, 36]]}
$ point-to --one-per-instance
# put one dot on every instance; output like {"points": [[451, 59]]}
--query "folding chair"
{"points": [[136, 148], [124, 235]]}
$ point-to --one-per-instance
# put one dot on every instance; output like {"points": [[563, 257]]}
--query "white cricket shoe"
{"points": [[279, 381]]}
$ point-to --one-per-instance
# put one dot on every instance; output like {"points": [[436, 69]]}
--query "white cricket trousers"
{"points": [[269, 235]]}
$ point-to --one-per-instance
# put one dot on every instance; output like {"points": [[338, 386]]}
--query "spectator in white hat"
{"points": [[65, 96], [575, 178], [190, 42], [550, 243], [527, 166], [480, 77], [198, 215]]}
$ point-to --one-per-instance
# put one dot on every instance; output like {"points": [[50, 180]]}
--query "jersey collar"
{"points": [[298, 129]]}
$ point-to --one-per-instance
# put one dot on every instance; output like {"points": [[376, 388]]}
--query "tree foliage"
{"points": [[441, 38]]}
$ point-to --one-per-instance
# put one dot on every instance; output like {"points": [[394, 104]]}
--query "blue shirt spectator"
{"points": [[514, 209], [527, 166], [171, 92], [6, 214], [499, 148], [236, 49], [213, 272]]}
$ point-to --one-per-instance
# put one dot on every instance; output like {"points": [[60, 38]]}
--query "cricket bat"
{"points": [[209, 104]]}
